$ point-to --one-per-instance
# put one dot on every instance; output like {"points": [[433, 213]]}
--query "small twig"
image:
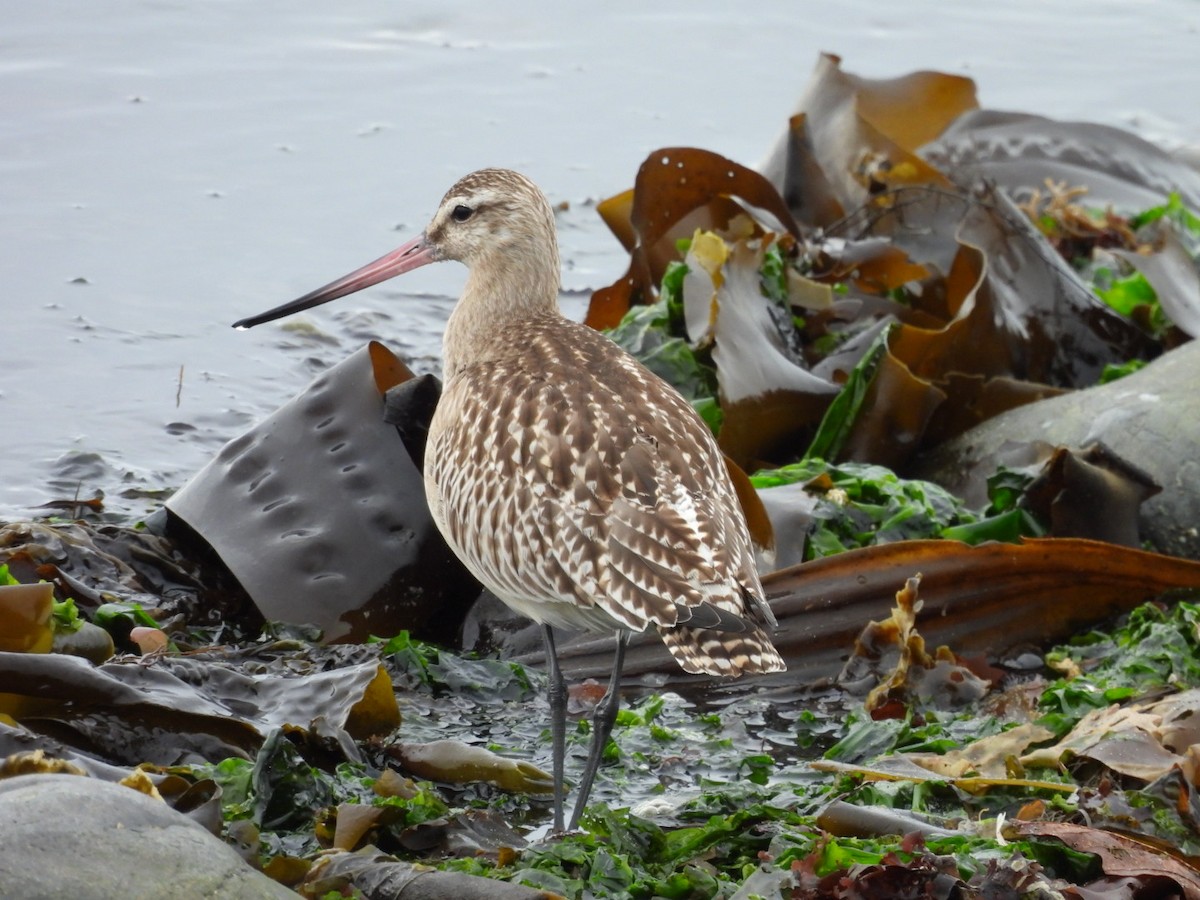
{"points": [[179, 389]]}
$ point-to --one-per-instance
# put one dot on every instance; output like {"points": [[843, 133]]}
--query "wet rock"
{"points": [[1150, 418], [70, 836]]}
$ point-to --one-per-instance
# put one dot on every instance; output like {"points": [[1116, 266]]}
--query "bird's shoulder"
{"points": [[565, 398], [605, 468]]}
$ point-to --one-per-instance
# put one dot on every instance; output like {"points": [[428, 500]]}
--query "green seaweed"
{"points": [[740, 798], [1113, 372], [838, 422], [1155, 648], [1173, 211], [657, 337], [65, 618], [861, 505]]}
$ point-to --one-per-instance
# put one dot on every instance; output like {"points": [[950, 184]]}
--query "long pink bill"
{"points": [[416, 253]]}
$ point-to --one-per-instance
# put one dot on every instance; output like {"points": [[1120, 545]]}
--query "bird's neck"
{"points": [[501, 295]]}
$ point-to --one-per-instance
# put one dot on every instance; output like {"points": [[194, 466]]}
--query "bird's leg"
{"points": [[603, 719], [557, 695]]}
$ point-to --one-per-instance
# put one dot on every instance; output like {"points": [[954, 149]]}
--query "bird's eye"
{"points": [[461, 213]]}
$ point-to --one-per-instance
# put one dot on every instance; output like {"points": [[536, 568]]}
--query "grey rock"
{"points": [[77, 837], [1150, 418]]}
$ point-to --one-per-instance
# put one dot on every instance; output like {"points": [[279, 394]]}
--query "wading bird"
{"points": [[578, 487]]}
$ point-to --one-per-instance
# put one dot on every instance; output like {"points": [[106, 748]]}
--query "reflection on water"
{"points": [[169, 168]]}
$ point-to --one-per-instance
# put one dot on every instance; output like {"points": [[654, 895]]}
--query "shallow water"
{"points": [[168, 167]]}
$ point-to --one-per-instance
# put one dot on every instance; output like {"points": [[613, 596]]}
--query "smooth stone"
{"points": [[1150, 418], [87, 839]]}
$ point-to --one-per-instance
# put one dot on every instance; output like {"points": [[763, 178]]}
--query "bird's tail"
{"points": [[729, 653]]}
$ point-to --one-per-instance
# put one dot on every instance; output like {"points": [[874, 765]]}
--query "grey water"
{"points": [[169, 166]]}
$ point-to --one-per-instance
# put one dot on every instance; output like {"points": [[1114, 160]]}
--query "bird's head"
{"points": [[491, 220], [491, 214]]}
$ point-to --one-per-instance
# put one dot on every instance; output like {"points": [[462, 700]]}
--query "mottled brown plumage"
{"points": [[594, 502], [576, 485]]}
